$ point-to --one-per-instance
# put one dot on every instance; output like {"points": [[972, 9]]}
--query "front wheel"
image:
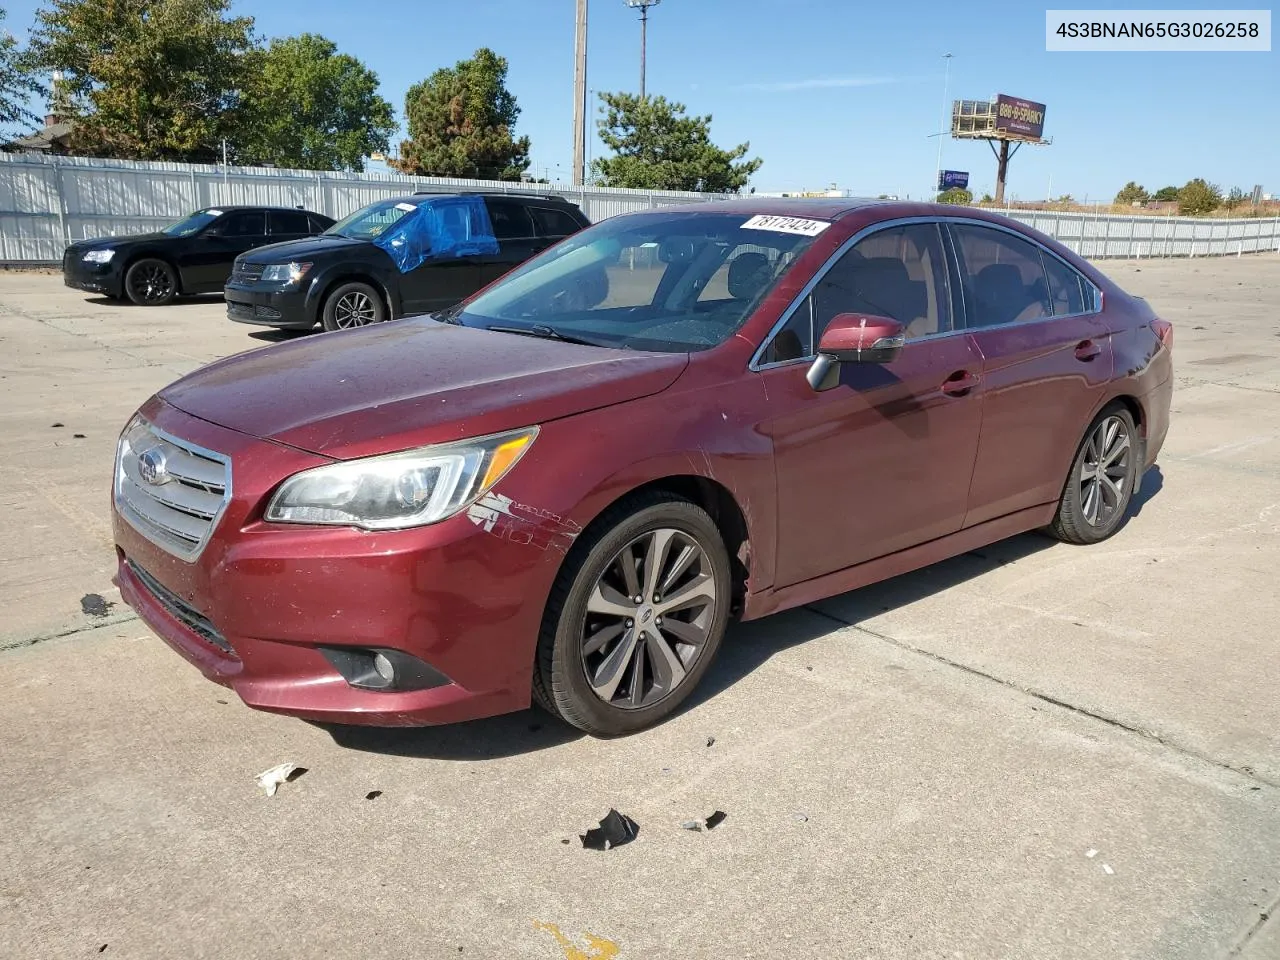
{"points": [[1102, 479], [636, 621], [353, 305], [151, 283]]}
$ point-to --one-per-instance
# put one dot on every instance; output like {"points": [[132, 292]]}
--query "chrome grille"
{"points": [[183, 612], [170, 491], [246, 272]]}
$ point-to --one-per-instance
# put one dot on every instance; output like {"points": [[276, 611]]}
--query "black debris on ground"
{"points": [[566, 841], [716, 819], [103, 948], [373, 795], [615, 830], [94, 605], [55, 426], [77, 436], [711, 741], [295, 774], [223, 702]]}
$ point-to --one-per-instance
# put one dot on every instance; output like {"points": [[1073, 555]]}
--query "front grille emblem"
{"points": [[151, 466]]}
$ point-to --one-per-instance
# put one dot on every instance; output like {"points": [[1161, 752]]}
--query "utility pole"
{"points": [[942, 132], [580, 95], [643, 6]]}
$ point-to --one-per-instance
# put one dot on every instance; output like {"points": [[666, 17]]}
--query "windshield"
{"points": [[368, 222], [666, 281], [193, 223]]}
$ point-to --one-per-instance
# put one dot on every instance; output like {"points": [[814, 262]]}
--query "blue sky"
{"points": [[833, 91]]}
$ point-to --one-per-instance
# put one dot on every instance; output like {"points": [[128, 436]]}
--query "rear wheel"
{"points": [[151, 283], [1102, 479], [636, 621], [353, 305]]}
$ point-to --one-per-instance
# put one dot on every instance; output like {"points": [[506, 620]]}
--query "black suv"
{"points": [[193, 255], [395, 258]]}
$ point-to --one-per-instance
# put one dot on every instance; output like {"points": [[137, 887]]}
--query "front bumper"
{"points": [[261, 604], [267, 305], [102, 278]]}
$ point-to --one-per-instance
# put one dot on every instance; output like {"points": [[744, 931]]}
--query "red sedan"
{"points": [[566, 487]]}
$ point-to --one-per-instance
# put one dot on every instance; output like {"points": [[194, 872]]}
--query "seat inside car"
{"points": [[882, 286], [748, 275], [1002, 297]]}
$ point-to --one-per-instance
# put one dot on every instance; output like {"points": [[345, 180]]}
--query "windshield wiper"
{"points": [[447, 315], [544, 332]]}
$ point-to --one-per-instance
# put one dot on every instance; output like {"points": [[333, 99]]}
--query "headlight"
{"points": [[285, 272], [409, 489], [99, 256]]}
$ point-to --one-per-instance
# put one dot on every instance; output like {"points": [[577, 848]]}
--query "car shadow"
{"points": [[272, 335], [746, 648], [124, 303]]}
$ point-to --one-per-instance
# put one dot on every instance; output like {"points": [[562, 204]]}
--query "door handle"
{"points": [[1086, 350], [960, 383]]}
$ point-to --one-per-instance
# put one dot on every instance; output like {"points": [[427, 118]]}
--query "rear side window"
{"points": [[1004, 277], [510, 220], [244, 223], [285, 221], [554, 223], [1066, 288], [319, 224]]}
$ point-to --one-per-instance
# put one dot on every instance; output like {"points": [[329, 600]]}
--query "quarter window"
{"points": [[899, 272], [554, 223], [1066, 287], [284, 222], [1004, 277]]}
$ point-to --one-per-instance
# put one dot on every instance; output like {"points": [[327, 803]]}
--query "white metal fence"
{"points": [[46, 202]]}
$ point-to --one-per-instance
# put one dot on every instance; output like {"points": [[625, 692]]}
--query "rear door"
{"points": [[287, 225], [1046, 359], [517, 238], [882, 461], [207, 263]]}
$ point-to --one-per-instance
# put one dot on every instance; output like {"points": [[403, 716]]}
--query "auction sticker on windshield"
{"points": [[407, 207], [797, 225]]}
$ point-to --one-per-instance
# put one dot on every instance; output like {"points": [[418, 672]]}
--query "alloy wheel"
{"points": [[151, 283], [354, 309], [648, 619], [1104, 472]]}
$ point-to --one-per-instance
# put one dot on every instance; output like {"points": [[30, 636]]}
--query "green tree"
{"points": [[1165, 194], [987, 198], [306, 105], [656, 147], [956, 195], [1199, 197], [146, 79], [1132, 193], [1233, 199], [17, 84], [460, 123]]}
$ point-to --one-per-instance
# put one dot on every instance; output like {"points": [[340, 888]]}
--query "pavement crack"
{"points": [[1254, 929], [17, 643], [1148, 735]]}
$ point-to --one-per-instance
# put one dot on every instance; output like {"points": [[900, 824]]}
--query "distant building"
{"points": [[53, 138]]}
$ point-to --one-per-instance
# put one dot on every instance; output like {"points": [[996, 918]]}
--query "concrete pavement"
{"points": [[917, 769]]}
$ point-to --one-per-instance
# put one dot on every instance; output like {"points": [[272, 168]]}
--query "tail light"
{"points": [[1164, 330]]}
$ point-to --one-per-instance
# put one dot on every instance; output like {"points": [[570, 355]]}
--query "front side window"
{"points": [[1003, 275], [192, 224], [243, 223], [641, 282], [898, 272]]}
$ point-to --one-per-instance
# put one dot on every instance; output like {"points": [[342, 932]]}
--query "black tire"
{"points": [[560, 679], [150, 282], [1086, 517], [353, 305]]}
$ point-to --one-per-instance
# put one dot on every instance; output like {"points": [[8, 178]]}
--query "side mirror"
{"points": [[854, 338]]}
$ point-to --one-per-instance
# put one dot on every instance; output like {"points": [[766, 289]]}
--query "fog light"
{"points": [[384, 668]]}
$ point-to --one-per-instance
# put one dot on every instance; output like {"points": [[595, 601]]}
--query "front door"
{"points": [[1047, 359], [883, 460], [210, 253]]}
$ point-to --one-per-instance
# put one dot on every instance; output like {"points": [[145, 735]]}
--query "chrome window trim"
{"points": [[192, 555], [960, 324]]}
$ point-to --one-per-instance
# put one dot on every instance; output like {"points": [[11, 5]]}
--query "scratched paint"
{"points": [[508, 519], [600, 948]]}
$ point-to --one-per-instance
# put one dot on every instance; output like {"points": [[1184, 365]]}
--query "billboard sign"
{"points": [[1019, 118], [953, 178]]}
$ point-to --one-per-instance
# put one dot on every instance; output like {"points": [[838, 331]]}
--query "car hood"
{"points": [[105, 243], [306, 248], [410, 383]]}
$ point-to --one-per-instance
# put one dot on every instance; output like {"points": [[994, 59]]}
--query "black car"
{"points": [[191, 256], [396, 258]]}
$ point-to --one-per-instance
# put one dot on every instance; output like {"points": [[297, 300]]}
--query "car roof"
{"points": [[820, 208], [490, 195], [230, 207]]}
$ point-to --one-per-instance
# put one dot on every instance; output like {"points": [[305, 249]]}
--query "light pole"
{"points": [[942, 132], [580, 94], [643, 6]]}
